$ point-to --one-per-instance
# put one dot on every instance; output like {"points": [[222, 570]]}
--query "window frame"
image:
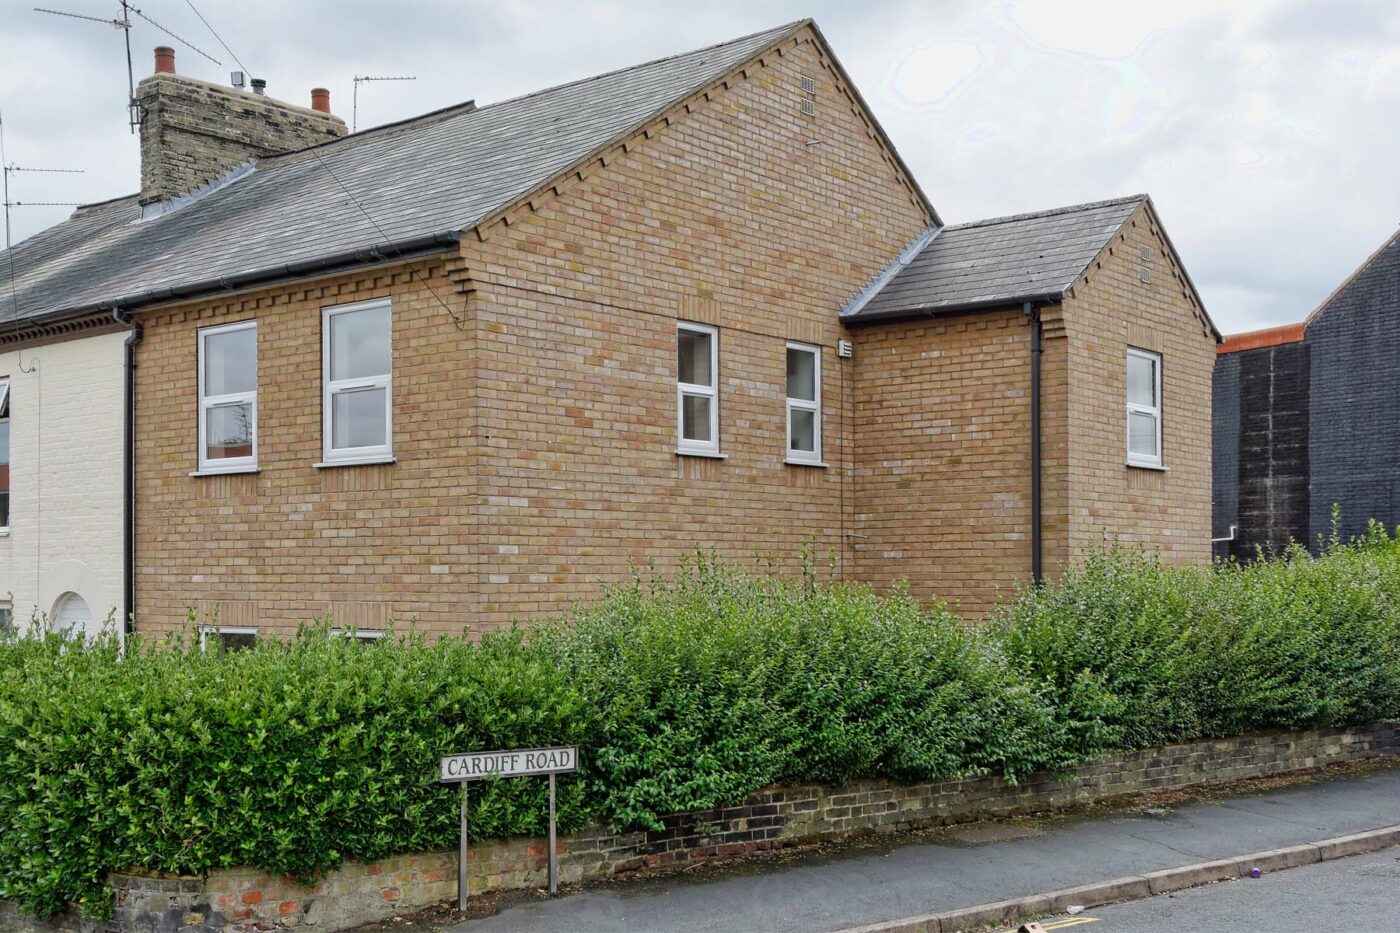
{"points": [[216, 630], [9, 454], [811, 457], [226, 464], [1137, 459], [685, 446], [376, 453], [362, 635]]}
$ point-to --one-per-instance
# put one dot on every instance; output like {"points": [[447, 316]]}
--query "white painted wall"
{"points": [[66, 504]]}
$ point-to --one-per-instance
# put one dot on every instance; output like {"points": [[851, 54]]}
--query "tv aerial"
{"points": [[8, 168], [123, 22], [355, 96]]}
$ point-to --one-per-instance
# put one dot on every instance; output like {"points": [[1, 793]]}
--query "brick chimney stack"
{"points": [[193, 131]]}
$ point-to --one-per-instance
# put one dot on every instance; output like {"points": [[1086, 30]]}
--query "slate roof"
{"points": [[422, 181], [994, 263]]}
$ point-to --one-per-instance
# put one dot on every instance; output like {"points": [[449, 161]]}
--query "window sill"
{"points": [[232, 472], [358, 461], [1154, 467], [808, 463], [4, 532], [701, 453]]}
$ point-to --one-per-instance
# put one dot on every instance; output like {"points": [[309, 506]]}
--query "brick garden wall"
{"points": [[245, 901]]}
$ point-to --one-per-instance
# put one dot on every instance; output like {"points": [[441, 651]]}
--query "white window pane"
{"points": [[231, 362], [360, 343], [357, 418], [228, 431], [802, 374], [693, 358], [1142, 434], [804, 430], [695, 418], [1142, 381]]}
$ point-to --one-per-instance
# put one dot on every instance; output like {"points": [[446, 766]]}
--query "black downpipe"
{"points": [[1037, 567], [129, 472]]}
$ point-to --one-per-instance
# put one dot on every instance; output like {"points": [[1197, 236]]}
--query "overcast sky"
{"points": [[1267, 131]]}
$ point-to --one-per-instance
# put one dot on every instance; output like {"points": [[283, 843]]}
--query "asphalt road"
{"points": [[1360, 894]]}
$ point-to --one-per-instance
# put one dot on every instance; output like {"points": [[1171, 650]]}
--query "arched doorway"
{"points": [[71, 616]]}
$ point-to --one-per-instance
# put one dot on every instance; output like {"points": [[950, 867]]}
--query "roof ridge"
{"points": [[775, 30], [1052, 212], [470, 106]]}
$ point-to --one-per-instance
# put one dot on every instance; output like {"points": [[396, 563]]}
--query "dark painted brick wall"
{"points": [[1273, 449], [1355, 447], [1225, 449]]}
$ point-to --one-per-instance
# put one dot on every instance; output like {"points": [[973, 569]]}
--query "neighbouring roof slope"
{"points": [[1387, 254], [997, 262], [422, 180]]}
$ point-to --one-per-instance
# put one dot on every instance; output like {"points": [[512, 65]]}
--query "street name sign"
{"points": [[517, 762], [478, 766]]}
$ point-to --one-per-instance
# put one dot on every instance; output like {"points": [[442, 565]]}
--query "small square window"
{"points": [[227, 638], [364, 636]]}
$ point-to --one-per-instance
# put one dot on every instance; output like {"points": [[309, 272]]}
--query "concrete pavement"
{"points": [[979, 865]]}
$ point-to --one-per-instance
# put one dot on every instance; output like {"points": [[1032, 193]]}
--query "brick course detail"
{"points": [[243, 901]]}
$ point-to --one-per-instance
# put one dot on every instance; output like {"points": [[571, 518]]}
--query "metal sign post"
{"points": [[482, 766]]}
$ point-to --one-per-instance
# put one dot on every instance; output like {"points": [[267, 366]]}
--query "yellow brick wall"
{"points": [[727, 217], [536, 444], [942, 479], [1111, 309], [292, 541]]}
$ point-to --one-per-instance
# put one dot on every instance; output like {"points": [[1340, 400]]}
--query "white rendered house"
{"points": [[61, 482]]}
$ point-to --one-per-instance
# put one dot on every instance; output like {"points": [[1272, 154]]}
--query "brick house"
{"points": [[1305, 419], [467, 368]]}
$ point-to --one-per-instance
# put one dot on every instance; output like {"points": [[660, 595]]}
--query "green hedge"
{"points": [[682, 695]]}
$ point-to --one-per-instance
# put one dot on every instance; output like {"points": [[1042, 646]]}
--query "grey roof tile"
{"points": [[1001, 261], [434, 175]]}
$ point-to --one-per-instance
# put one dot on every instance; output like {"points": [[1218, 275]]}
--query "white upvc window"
{"points": [[357, 376], [697, 389], [228, 398], [228, 637], [804, 404], [1144, 408], [361, 635]]}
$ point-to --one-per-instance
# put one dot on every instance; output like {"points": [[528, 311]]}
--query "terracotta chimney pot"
{"points": [[165, 60], [321, 99]]}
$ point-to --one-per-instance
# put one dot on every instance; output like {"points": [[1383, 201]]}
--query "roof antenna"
{"points": [[124, 24], [355, 97], [7, 169]]}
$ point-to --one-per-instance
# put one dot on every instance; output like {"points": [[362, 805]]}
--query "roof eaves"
{"points": [[401, 251], [883, 277], [1039, 299]]}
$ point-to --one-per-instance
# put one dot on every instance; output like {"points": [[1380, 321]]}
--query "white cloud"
{"points": [[1264, 129]]}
